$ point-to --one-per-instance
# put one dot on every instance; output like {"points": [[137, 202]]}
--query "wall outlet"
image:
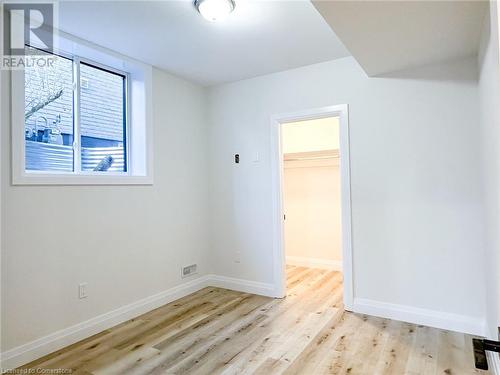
{"points": [[82, 290], [189, 270], [237, 257]]}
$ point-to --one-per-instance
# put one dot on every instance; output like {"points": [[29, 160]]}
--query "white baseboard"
{"points": [[327, 264], [431, 318], [26, 353], [493, 362], [247, 286]]}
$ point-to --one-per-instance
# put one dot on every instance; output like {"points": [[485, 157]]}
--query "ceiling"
{"points": [[259, 37], [389, 36]]}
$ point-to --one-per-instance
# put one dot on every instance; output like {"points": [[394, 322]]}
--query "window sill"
{"points": [[34, 178]]}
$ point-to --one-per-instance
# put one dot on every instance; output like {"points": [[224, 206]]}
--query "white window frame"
{"points": [[138, 97]]}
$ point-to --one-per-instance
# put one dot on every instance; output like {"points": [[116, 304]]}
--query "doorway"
{"points": [[311, 184]]}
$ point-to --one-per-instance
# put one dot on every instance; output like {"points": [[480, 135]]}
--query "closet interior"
{"points": [[311, 196]]}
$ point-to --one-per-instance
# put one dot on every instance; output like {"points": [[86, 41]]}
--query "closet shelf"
{"points": [[312, 155]]}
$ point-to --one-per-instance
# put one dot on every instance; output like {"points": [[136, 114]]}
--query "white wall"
{"points": [[417, 217], [311, 201], [489, 96], [127, 242]]}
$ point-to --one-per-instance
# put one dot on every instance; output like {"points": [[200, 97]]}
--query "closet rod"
{"points": [[312, 158]]}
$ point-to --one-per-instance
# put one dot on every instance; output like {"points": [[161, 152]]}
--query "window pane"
{"points": [[48, 115], [102, 120]]}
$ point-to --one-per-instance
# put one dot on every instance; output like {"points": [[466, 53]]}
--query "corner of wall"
{"points": [[489, 94]]}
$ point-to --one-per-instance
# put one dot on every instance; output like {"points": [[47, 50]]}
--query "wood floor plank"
{"points": [[423, 356], [320, 353], [218, 331], [202, 338]]}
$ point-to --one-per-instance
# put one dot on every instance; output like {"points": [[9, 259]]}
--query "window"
{"points": [[102, 120], [86, 119], [75, 128]]}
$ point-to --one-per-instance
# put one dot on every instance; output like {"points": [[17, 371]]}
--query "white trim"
{"points": [[430, 318], [26, 353], [327, 264], [279, 274], [493, 362], [77, 121], [30, 178], [241, 285]]}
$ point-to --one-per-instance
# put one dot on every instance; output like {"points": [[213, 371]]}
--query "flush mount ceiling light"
{"points": [[214, 10]]}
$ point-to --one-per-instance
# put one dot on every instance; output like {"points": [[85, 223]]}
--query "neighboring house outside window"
{"points": [[55, 112]]}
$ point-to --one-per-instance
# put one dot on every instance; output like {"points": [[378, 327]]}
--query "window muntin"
{"points": [[60, 114]]}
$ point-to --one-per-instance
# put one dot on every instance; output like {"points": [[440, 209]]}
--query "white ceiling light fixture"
{"points": [[214, 10]]}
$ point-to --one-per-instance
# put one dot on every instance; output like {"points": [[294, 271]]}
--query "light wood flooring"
{"points": [[217, 331]]}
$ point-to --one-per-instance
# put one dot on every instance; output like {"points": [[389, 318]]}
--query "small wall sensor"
{"points": [[237, 158]]}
